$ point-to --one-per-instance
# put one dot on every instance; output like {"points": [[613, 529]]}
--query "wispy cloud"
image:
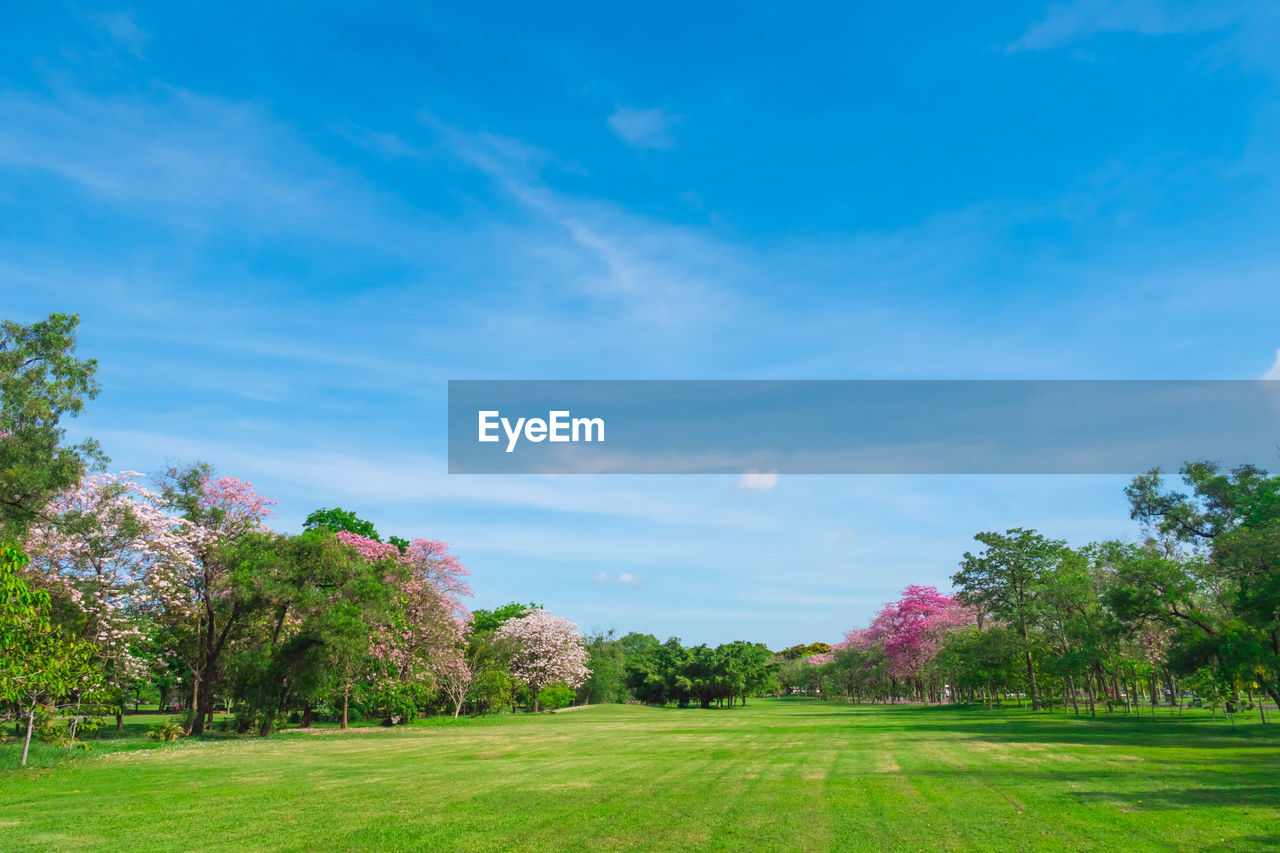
{"points": [[663, 276], [1069, 22], [200, 162], [651, 128], [624, 579]]}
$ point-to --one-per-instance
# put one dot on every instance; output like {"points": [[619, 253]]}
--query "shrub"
{"points": [[167, 731], [556, 696], [245, 718], [333, 714]]}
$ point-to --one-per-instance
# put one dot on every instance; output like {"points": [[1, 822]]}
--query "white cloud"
{"points": [[1273, 372], [758, 481], [625, 578], [643, 128]]}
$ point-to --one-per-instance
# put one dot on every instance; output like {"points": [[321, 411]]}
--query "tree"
{"points": [[422, 643], [337, 519], [1004, 581], [608, 664], [315, 599], [39, 662], [548, 650], [41, 381], [1233, 519], [92, 549], [208, 597], [913, 629], [483, 621]]}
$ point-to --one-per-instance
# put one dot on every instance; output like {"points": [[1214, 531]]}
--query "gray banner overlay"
{"points": [[858, 426]]}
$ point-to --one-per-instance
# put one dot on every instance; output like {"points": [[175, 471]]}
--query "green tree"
{"points": [[608, 664], [1232, 518], [39, 663], [342, 519], [1004, 581], [41, 382], [483, 621]]}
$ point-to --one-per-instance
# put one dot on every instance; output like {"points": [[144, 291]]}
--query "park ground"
{"points": [[778, 774]]}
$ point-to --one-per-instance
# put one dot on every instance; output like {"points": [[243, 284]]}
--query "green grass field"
{"points": [[789, 774]]}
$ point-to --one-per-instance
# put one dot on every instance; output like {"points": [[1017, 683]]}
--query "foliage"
{"points": [[548, 649], [40, 663], [169, 730], [339, 519], [483, 621], [41, 382], [669, 672], [557, 696]]}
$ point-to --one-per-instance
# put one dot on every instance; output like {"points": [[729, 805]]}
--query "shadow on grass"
{"points": [[1022, 726], [1197, 798]]}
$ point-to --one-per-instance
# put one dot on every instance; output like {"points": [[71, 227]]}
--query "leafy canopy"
{"points": [[41, 381]]}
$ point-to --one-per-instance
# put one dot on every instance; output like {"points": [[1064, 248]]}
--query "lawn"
{"points": [[779, 774]]}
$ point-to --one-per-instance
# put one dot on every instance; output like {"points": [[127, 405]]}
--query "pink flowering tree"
{"points": [[200, 598], [423, 643], [94, 549], [548, 650], [912, 630]]}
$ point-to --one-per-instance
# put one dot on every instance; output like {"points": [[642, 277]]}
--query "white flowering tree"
{"points": [[93, 551], [548, 650]]}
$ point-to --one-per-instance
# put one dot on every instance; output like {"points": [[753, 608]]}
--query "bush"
{"points": [[556, 696], [168, 731], [327, 713], [245, 718], [47, 730], [400, 704]]}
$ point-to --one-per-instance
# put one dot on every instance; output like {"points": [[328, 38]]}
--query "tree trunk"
{"points": [[26, 745], [346, 696], [1031, 670], [195, 692], [1271, 691], [1071, 685], [119, 721]]}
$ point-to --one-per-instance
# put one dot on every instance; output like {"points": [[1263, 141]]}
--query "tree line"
{"points": [[1191, 608], [115, 589]]}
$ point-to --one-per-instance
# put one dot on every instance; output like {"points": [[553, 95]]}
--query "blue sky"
{"points": [[285, 230]]}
